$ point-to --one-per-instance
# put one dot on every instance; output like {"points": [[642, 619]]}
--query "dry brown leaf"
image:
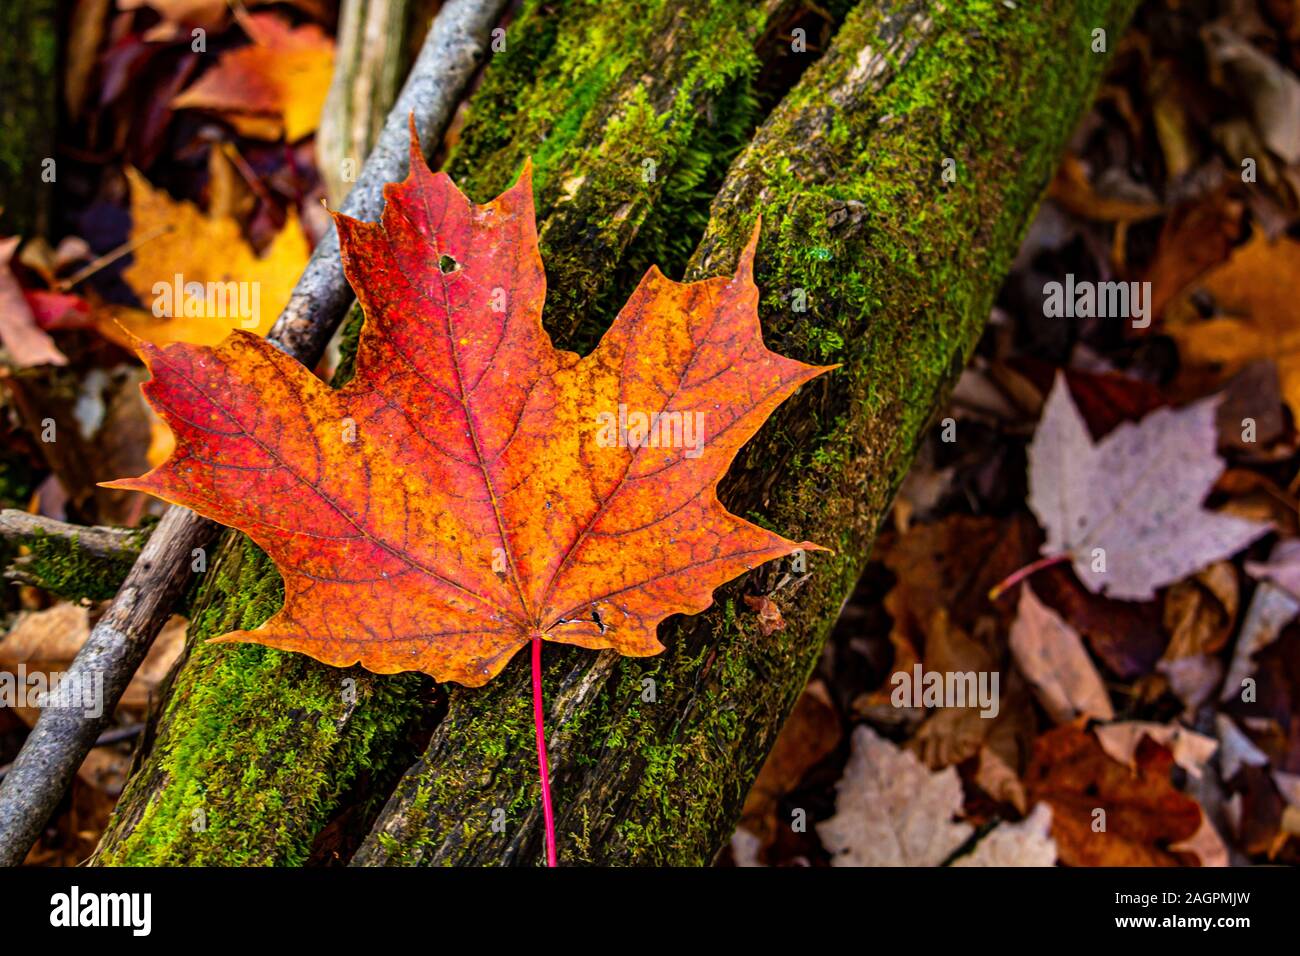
{"points": [[48, 640], [1205, 844], [1074, 193], [768, 612], [996, 778], [1201, 611], [1103, 813], [1027, 843], [891, 811], [810, 733], [1051, 655]]}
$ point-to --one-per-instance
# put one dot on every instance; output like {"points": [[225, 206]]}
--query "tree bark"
{"points": [[898, 266], [373, 52], [265, 757]]}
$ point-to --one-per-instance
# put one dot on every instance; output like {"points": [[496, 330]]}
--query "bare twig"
{"points": [[129, 732], [63, 736]]}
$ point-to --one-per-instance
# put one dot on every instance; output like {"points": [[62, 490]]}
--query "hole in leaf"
{"points": [[447, 264]]}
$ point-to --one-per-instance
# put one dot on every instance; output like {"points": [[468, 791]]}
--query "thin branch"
{"points": [[94, 541], [63, 736], [99, 557]]}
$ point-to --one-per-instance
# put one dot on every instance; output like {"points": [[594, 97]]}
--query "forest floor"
{"points": [[1146, 711], [1157, 731]]}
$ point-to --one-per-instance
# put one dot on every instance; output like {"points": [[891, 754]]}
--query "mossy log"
{"points": [[263, 757], [897, 266], [29, 63], [72, 561]]}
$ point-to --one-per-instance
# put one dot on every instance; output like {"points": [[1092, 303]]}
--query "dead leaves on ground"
{"points": [[273, 87], [1149, 682]]}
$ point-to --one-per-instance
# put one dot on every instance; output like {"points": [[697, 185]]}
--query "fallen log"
{"points": [[895, 182], [280, 757]]}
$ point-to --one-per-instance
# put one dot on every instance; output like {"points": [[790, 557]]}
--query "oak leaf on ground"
{"points": [[472, 487]]}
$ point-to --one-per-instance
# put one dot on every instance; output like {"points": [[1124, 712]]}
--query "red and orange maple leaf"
{"points": [[473, 487]]}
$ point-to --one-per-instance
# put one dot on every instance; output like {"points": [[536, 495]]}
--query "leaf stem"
{"points": [[542, 768], [1015, 577]]}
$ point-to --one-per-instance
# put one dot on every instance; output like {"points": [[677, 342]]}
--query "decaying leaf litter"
{"points": [[1162, 690]]}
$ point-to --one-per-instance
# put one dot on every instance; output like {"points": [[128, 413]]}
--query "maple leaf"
{"points": [[473, 488], [276, 85], [890, 810], [175, 238], [1133, 499]]}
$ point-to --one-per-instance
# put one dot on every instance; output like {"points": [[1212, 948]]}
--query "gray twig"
{"points": [[63, 736]]}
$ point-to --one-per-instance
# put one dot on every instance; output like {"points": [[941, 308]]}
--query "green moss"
{"points": [[649, 102], [244, 791], [896, 267], [63, 568]]}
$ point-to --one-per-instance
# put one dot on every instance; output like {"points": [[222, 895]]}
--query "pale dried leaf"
{"points": [[1052, 657], [1190, 749], [1235, 748], [1027, 843], [891, 811], [1133, 498], [1270, 610]]}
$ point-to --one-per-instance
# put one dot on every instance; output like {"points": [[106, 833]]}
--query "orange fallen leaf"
{"points": [[1257, 314], [473, 488], [201, 272], [1104, 813], [276, 85]]}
